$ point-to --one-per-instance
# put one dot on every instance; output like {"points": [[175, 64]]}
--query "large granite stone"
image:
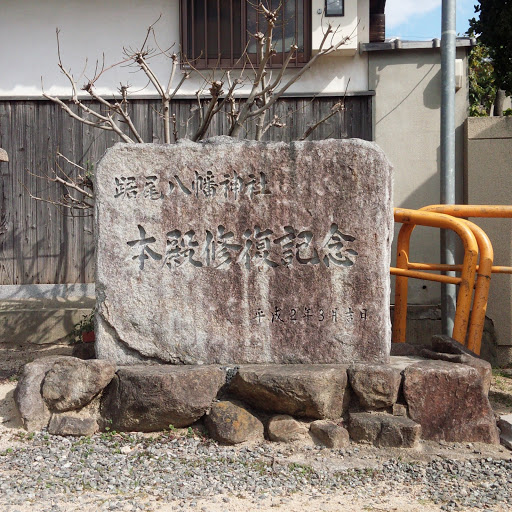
{"points": [[231, 251], [285, 429], [72, 383], [447, 345], [62, 424], [484, 368], [450, 402], [384, 430], [330, 434], [150, 398], [376, 386], [33, 410], [311, 391]]}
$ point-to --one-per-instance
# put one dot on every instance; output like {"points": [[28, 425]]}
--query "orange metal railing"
{"points": [[483, 270], [410, 219]]}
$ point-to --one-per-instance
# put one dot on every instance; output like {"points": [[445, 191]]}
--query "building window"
{"points": [[217, 33], [334, 7]]}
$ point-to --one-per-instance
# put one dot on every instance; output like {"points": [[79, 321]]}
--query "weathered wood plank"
{"points": [[6, 203]]}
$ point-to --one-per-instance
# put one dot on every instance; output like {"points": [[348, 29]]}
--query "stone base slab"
{"points": [[438, 400]]}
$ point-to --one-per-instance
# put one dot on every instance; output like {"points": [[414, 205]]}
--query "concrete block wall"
{"points": [[42, 314], [488, 180]]}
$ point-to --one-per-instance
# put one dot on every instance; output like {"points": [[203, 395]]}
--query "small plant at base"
{"points": [[301, 468], [85, 325]]}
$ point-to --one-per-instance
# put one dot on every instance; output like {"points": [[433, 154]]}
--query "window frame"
{"points": [[299, 60], [335, 15]]}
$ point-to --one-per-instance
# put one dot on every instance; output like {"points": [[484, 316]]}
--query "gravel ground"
{"points": [[172, 471], [181, 470]]}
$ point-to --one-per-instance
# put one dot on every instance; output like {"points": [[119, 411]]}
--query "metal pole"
{"points": [[448, 291]]}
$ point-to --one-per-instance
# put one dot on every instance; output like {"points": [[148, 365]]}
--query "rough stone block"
{"points": [[399, 432], [330, 434], [484, 368], [237, 252], [384, 430], [149, 398], [313, 391], [72, 383], [62, 424], [376, 386], [285, 429], [450, 402], [447, 345], [364, 427], [505, 426], [34, 413], [231, 423]]}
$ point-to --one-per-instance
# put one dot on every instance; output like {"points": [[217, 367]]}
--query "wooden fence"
{"points": [[39, 243]]}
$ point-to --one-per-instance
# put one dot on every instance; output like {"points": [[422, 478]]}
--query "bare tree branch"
{"points": [[335, 109]]}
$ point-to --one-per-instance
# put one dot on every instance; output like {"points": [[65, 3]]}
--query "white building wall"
{"points": [[91, 29]]}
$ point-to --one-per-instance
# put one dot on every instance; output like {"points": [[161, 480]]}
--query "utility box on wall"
{"points": [[347, 24]]}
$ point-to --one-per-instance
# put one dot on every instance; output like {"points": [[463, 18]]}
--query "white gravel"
{"points": [[182, 471]]}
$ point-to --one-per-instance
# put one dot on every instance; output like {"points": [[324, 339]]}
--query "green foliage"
{"points": [[482, 85], [25, 436], [85, 325], [493, 30], [301, 468]]}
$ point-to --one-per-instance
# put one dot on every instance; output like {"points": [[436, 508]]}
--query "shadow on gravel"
{"points": [[14, 356], [9, 416]]}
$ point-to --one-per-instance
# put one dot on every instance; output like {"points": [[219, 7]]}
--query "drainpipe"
{"points": [[448, 241]]}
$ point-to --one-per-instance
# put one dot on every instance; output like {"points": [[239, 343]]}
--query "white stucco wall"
{"points": [[407, 127], [93, 28]]}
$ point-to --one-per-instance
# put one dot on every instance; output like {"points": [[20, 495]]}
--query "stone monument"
{"points": [[237, 252]]}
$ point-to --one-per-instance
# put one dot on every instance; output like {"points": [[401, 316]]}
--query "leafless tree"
{"points": [[78, 197], [244, 95]]}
